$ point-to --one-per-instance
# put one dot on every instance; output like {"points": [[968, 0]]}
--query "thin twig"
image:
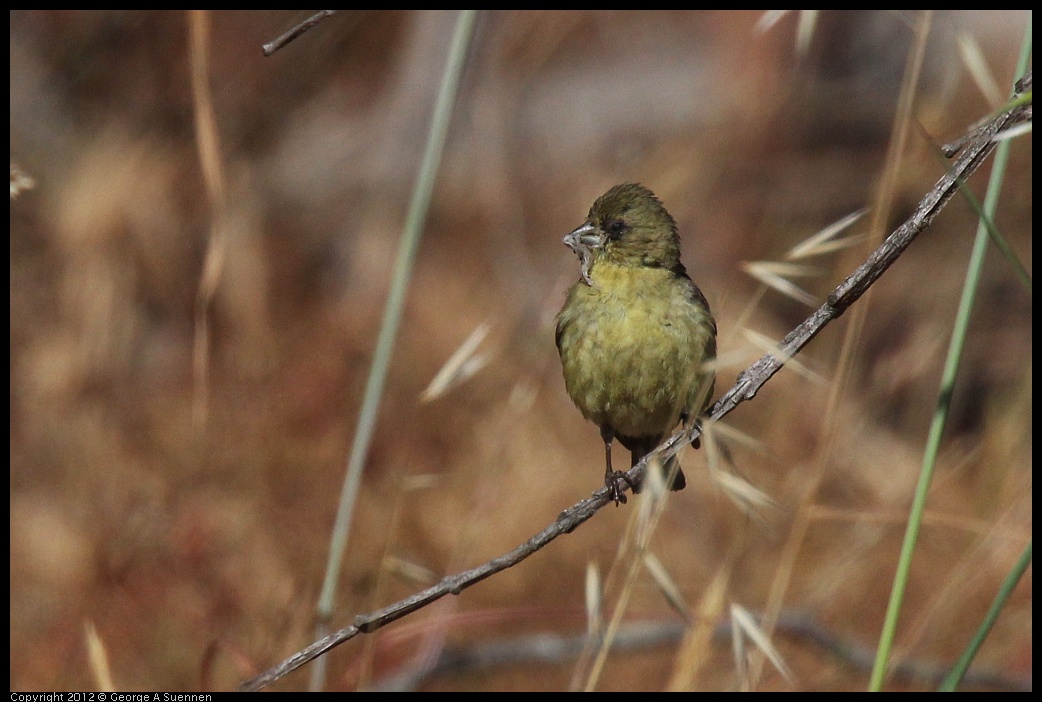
{"points": [[280, 41], [749, 383], [1022, 89], [752, 379], [800, 627]]}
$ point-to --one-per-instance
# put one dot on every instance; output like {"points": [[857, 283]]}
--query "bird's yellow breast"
{"points": [[633, 347]]}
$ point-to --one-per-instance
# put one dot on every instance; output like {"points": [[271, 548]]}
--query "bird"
{"points": [[635, 334]]}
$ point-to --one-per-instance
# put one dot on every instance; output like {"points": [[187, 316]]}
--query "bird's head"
{"points": [[627, 226]]}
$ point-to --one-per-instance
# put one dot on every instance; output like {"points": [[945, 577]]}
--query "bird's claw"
{"points": [[616, 482]]}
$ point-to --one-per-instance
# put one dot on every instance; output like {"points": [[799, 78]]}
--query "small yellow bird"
{"points": [[635, 334]]}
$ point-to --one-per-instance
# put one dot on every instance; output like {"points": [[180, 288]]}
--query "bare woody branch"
{"points": [[285, 38], [977, 149], [980, 147]]}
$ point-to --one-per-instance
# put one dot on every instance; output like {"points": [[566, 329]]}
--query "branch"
{"points": [[749, 383], [285, 38], [752, 378], [803, 629]]}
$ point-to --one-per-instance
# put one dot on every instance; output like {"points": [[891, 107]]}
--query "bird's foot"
{"points": [[616, 481]]}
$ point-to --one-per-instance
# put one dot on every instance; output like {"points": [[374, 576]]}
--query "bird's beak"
{"points": [[585, 237], [583, 241]]}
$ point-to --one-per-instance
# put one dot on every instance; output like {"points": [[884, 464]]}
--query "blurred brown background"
{"points": [[197, 551]]}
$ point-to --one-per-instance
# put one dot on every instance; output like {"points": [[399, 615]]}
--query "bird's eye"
{"points": [[615, 227]]}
